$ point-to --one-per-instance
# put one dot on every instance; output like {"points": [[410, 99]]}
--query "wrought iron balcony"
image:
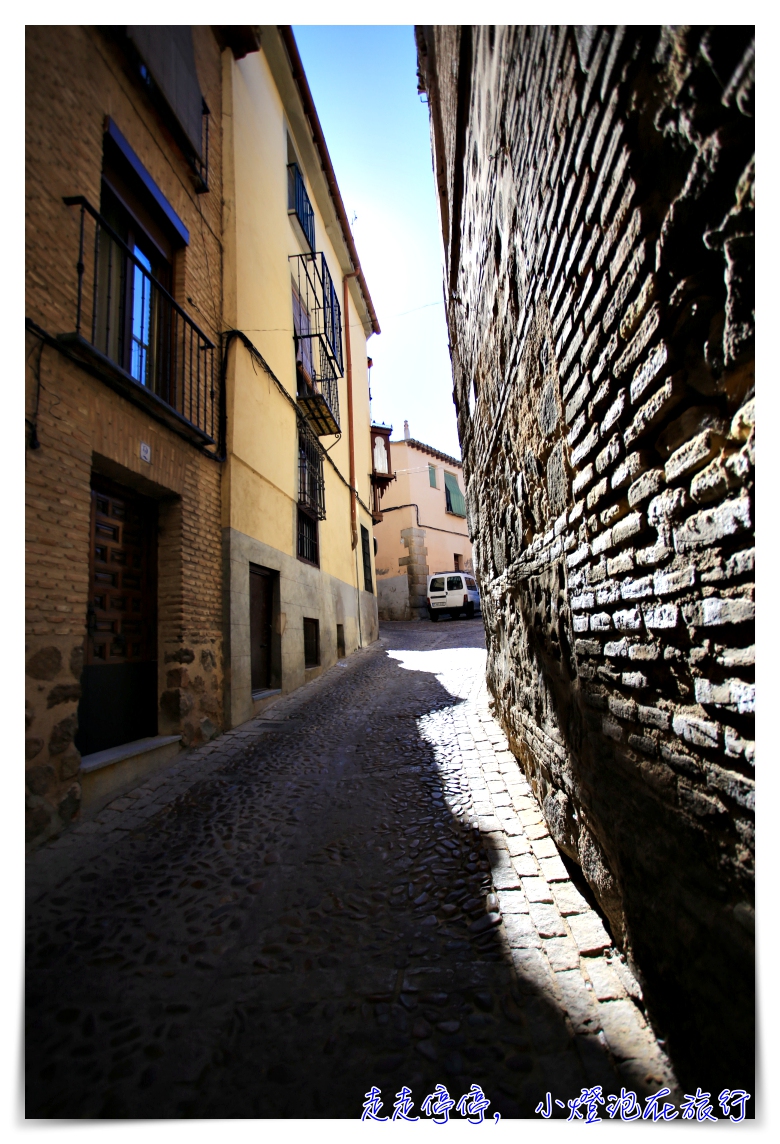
{"points": [[137, 337], [299, 204], [317, 335]]}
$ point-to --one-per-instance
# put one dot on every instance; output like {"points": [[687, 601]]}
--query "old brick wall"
{"points": [[75, 77], [597, 205]]}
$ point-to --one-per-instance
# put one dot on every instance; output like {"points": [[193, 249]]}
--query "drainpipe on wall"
{"points": [[348, 353]]}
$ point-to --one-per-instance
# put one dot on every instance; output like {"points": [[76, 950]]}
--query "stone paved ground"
{"points": [[356, 890]]}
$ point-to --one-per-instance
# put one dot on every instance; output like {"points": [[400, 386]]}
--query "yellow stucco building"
{"points": [[423, 527], [298, 557]]}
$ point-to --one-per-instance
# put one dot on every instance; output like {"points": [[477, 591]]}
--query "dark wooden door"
{"points": [[119, 682], [261, 593]]}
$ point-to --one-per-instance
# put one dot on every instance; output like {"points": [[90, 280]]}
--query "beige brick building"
{"points": [[124, 639], [183, 567]]}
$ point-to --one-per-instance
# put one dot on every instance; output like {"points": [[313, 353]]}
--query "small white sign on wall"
{"points": [[146, 452]]}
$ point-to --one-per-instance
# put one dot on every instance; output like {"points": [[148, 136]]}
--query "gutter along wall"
{"points": [[597, 205]]}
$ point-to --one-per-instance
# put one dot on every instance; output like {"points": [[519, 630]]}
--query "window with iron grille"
{"points": [[311, 480], [311, 642], [366, 544], [308, 542], [298, 202]]}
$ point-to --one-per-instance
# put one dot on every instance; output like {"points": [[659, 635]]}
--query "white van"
{"points": [[454, 593]]}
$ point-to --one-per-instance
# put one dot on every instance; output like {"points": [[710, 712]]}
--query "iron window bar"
{"points": [[308, 545], [311, 480], [136, 324], [299, 203], [317, 336]]}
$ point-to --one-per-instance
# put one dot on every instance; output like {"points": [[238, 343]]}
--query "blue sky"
{"points": [[364, 83]]}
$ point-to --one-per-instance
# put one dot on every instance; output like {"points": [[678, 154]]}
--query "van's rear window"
{"points": [[437, 584]]}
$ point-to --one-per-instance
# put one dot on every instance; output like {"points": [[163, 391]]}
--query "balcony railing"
{"points": [[317, 334], [130, 324], [298, 202]]}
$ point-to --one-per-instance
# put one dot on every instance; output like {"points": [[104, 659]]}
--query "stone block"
{"points": [[666, 397], [633, 589], [710, 525], [582, 480], [602, 542], [627, 619], [653, 717], [693, 455], [714, 611], [535, 978], [606, 983], [699, 732], [598, 491], [578, 1001], [586, 447], [547, 920], [623, 562], [625, 1029], [648, 370], [512, 902], [646, 486], [660, 616], [537, 890], [587, 647], [627, 527], [553, 869], [589, 933], [520, 931], [666, 583], [568, 899], [609, 454], [562, 953], [630, 469]]}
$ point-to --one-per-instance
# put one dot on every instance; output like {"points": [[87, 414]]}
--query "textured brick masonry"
{"points": [[597, 205]]}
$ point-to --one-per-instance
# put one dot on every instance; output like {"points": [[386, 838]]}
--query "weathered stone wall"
{"points": [[75, 77], [413, 539], [597, 205]]}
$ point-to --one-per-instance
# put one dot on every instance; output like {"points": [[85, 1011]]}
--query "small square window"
{"points": [[308, 547]]}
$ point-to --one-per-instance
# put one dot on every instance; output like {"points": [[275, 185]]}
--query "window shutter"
{"points": [[456, 502], [167, 51]]}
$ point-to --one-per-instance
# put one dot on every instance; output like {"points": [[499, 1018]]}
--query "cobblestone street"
{"points": [[356, 888]]}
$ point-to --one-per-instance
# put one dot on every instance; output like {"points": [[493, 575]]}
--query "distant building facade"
{"points": [[423, 527]]}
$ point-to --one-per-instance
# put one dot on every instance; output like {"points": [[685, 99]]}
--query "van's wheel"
{"points": [[470, 612], [433, 615]]}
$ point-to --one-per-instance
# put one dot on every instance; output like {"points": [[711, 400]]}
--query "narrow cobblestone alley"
{"points": [[355, 889]]}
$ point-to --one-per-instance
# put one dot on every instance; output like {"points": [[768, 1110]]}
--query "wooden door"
{"points": [[261, 585], [119, 681]]}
